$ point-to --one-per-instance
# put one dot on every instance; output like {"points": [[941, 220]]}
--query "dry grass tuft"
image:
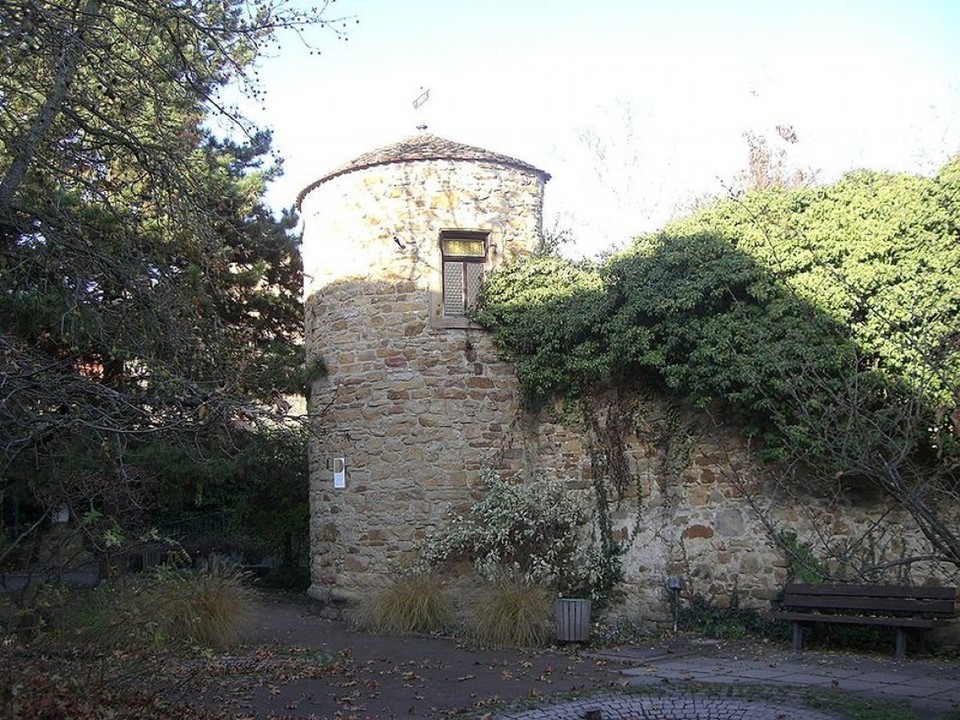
{"points": [[411, 604], [172, 608], [507, 612]]}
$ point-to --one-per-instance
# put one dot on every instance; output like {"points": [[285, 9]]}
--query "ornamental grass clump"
{"points": [[507, 611], [416, 603], [171, 608], [207, 608]]}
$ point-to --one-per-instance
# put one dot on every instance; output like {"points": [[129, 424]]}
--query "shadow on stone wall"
{"points": [[699, 324], [741, 432]]}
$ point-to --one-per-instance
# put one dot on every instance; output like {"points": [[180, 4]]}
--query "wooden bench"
{"points": [[898, 606]]}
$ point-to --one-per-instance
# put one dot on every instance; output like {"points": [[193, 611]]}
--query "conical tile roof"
{"points": [[422, 147]]}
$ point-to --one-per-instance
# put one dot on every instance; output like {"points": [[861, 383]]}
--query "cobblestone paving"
{"points": [[930, 686], [668, 707]]}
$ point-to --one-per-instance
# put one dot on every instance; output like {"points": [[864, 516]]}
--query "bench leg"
{"points": [[797, 637], [901, 643]]}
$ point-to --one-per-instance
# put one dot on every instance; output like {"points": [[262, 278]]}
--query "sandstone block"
{"points": [[697, 532]]}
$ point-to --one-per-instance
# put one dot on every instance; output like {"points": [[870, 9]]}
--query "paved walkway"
{"points": [[931, 687], [376, 676], [668, 707]]}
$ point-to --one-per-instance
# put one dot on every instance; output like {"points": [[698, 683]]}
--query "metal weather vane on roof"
{"points": [[419, 102]]}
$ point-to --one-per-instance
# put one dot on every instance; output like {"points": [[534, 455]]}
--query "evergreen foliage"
{"points": [[826, 320], [149, 297], [260, 487], [712, 306], [735, 301]]}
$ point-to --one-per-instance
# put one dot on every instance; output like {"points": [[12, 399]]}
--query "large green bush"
{"points": [[260, 486], [825, 321], [757, 301]]}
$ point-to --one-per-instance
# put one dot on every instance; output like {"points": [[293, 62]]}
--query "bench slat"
{"points": [[892, 591], [910, 606], [809, 617]]}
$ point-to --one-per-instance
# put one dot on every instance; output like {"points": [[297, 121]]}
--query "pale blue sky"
{"points": [[669, 88]]}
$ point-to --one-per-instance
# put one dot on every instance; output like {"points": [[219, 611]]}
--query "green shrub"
{"points": [[725, 622], [536, 531], [411, 604], [508, 611]]}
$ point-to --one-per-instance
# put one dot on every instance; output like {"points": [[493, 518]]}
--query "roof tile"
{"points": [[422, 147]]}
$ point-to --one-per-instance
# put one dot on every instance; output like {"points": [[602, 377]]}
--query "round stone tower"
{"points": [[415, 402]]}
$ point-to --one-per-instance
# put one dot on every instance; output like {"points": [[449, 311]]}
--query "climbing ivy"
{"points": [[803, 565], [755, 302], [545, 311]]}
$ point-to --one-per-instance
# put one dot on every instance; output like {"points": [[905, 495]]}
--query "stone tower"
{"points": [[415, 402]]}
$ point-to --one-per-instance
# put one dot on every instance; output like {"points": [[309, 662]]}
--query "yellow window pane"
{"points": [[463, 247]]}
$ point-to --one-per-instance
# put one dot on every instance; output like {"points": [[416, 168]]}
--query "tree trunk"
{"points": [[25, 147]]}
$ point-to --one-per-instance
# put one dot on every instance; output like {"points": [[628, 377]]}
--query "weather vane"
{"points": [[420, 101]]}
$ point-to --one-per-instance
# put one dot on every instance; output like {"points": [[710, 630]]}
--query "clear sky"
{"points": [[634, 107]]}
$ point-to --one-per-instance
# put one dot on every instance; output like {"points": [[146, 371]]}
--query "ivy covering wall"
{"points": [[824, 321]]}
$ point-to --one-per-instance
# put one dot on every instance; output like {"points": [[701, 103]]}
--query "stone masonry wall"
{"points": [[417, 404], [700, 507]]}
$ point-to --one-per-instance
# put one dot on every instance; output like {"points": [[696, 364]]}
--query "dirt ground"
{"points": [[284, 672]]}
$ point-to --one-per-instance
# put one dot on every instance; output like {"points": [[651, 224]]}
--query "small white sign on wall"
{"points": [[339, 472]]}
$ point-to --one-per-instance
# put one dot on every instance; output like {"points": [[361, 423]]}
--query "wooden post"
{"points": [[901, 643], [797, 637]]}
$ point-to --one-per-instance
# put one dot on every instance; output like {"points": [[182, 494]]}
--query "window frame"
{"points": [[463, 261]]}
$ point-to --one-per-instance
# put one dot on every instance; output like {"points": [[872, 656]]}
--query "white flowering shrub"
{"points": [[538, 531]]}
